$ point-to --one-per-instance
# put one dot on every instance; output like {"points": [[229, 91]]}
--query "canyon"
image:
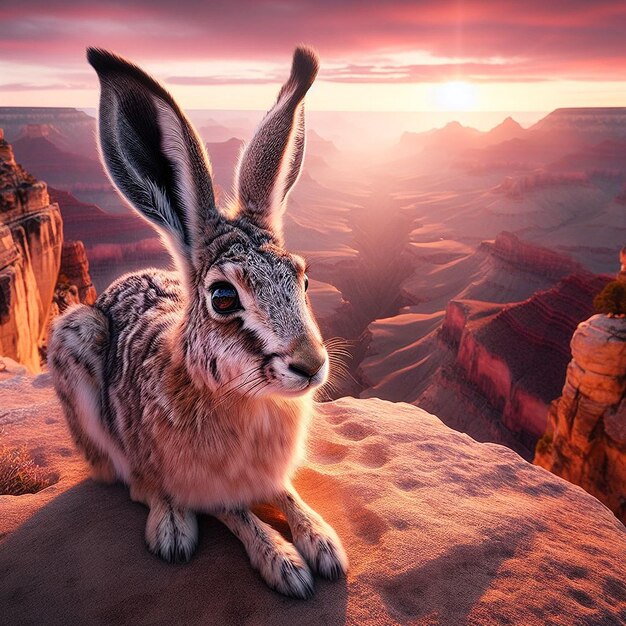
{"points": [[31, 240]]}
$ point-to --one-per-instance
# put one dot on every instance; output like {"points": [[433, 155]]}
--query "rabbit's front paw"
{"points": [[171, 532], [321, 547], [284, 570]]}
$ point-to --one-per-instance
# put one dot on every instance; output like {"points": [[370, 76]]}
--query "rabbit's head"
{"points": [[248, 322]]}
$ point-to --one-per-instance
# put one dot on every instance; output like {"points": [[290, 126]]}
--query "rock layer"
{"points": [[74, 271], [585, 441], [502, 351], [30, 250]]}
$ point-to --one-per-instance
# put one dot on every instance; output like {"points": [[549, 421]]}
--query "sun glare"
{"points": [[456, 96]]}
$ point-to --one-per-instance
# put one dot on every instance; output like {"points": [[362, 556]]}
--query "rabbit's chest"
{"points": [[242, 460]]}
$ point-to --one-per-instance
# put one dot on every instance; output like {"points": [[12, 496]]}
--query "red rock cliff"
{"points": [[585, 440], [516, 355], [74, 283], [31, 237]]}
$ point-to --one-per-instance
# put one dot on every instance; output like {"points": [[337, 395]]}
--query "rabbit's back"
{"points": [[140, 309], [139, 297]]}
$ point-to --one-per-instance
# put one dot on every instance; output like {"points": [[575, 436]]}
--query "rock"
{"points": [[329, 307], [438, 528], [74, 272], [585, 440], [507, 362], [30, 249], [527, 257], [589, 125], [599, 345]]}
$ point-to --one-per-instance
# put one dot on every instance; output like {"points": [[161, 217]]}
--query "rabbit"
{"points": [[195, 387]]}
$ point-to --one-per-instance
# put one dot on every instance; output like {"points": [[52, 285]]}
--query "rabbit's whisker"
{"points": [[244, 373], [231, 394]]}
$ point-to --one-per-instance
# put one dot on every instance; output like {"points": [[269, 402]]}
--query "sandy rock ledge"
{"points": [[439, 530]]}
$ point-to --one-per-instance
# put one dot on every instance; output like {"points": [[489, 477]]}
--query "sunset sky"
{"points": [[409, 56]]}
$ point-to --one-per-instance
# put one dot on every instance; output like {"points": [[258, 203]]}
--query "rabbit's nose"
{"points": [[307, 359]]}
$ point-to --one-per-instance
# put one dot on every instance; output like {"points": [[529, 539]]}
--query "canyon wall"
{"points": [[31, 238], [40, 275], [74, 283], [70, 128], [527, 257], [585, 439], [514, 357]]}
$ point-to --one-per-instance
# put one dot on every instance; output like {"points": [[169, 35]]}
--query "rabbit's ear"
{"points": [[271, 162], [152, 153]]}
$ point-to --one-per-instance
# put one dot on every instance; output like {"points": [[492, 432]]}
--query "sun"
{"points": [[456, 95]]}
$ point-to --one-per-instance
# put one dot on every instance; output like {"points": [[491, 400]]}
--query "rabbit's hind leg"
{"points": [[278, 562], [313, 536], [76, 354]]}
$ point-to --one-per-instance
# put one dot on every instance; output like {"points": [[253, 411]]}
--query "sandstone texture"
{"points": [[74, 283], [585, 440], [31, 238], [439, 529]]}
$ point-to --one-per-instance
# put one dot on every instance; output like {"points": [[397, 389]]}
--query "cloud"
{"points": [[43, 87], [376, 73], [223, 80], [358, 39]]}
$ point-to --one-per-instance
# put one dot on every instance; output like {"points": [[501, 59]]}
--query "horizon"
{"points": [[403, 121]]}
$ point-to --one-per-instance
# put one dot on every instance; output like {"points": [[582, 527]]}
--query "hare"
{"points": [[195, 387]]}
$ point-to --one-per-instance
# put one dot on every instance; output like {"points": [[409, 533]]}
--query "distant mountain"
{"points": [[82, 176], [452, 137], [317, 144], [214, 132], [505, 131], [92, 225], [560, 140], [607, 158], [115, 244], [224, 156], [560, 134], [72, 130], [585, 125], [455, 139]]}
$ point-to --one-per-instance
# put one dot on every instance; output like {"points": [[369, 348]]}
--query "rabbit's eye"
{"points": [[306, 282], [224, 298]]}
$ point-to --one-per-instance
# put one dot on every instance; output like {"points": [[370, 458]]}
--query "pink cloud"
{"points": [[567, 39]]}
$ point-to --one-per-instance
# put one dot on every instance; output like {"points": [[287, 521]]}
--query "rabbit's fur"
{"points": [[194, 409]]}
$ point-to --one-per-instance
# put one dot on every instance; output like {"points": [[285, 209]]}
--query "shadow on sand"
{"points": [[81, 560]]}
